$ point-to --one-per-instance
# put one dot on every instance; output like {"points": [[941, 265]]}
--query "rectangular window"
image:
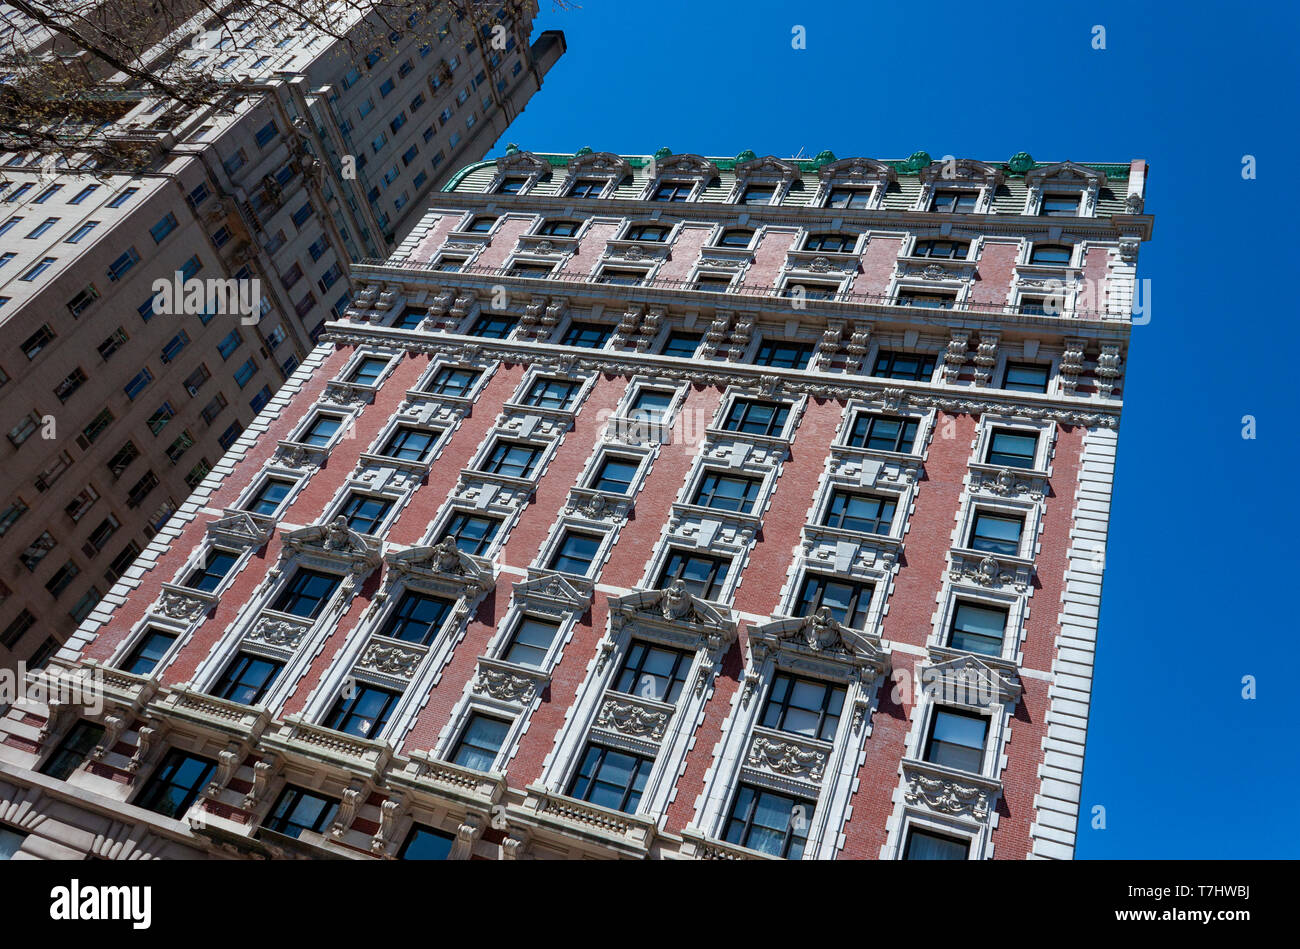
{"points": [[855, 198], [775, 824], [783, 354], [272, 494], [196, 474], [365, 513], [112, 343], [576, 553], [472, 533], [83, 194], [232, 433], [956, 740], [70, 384], [417, 618], [40, 229], [614, 276], [297, 810], [118, 268], [491, 326], [245, 372], [551, 393], [609, 778], [531, 642], [77, 508], [215, 404], [141, 489], [672, 191], [82, 608], [925, 845], [61, 578], [61, 463], [24, 429], [847, 601], [615, 474], [229, 343], [39, 268], [480, 742], [33, 344], [512, 459], [1025, 377], [48, 193], [10, 515], [805, 707], [176, 783], [1011, 449], [99, 537], [82, 300], [895, 365], [978, 629], [183, 443], [450, 380], [727, 492], [996, 533], [700, 574], [865, 513], [37, 550], [247, 679], [73, 750], [1058, 205], [411, 444], [265, 134], [172, 348], [588, 335], [682, 345], [209, 575], [137, 383], [883, 432], [954, 202], [163, 227], [15, 630], [752, 417], [306, 594], [145, 657]]}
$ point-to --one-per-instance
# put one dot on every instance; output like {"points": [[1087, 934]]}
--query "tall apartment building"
{"points": [[116, 405], [665, 506]]}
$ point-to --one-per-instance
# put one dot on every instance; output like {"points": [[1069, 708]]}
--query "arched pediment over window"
{"points": [[961, 169], [819, 637], [522, 163], [686, 166], [335, 543], [1066, 172], [769, 167], [443, 564], [857, 170], [599, 163]]}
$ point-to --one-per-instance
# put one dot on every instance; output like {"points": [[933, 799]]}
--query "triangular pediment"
{"points": [[1065, 171], [686, 165], [334, 541], [962, 169], [769, 166], [242, 528], [864, 169], [599, 163], [822, 635], [969, 680], [442, 561], [552, 588], [674, 604], [524, 163]]}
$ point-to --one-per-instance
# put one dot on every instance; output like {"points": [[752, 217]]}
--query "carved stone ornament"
{"points": [[786, 757], [391, 660], [632, 718], [947, 796], [178, 605], [505, 686]]}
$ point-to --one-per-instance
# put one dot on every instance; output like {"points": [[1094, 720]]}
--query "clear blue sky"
{"points": [[1199, 559]]}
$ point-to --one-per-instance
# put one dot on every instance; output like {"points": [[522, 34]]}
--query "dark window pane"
{"points": [[417, 618], [613, 779], [480, 742], [654, 672], [957, 740], [175, 783]]}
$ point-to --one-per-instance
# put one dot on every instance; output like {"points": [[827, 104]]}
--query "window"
{"points": [[172, 348], [214, 569], [11, 841], [214, 406], [654, 672], [1058, 205], [368, 370], [15, 630], [736, 237], [76, 509], [531, 641], [550, 393], [978, 629], [24, 429], [756, 418], [112, 343], [246, 679], [712, 283], [268, 500], [40, 229], [855, 198], [865, 513], [10, 515], [36, 551], [996, 533], [137, 383], [672, 191], [449, 380], [1025, 377], [926, 845], [81, 609], [883, 432], [423, 843], [145, 656], [73, 750], [954, 202], [411, 444], [701, 574], [61, 578], [84, 297], [33, 344], [1011, 449], [1051, 254], [941, 249], [847, 601], [266, 133], [727, 492], [757, 194], [652, 233], [783, 353], [41, 266], [417, 618], [804, 707], [480, 742], [775, 824], [83, 194], [176, 783], [831, 243], [321, 430], [512, 459], [482, 223], [609, 778], [365, 513], [229, 343], [682, 345], [511, 184], [48, 193], [914, 366], [234, 430], [140, 490], [472, 533], [10, 224], [575, 553], [118, 268], [956, 740], [536, 271], [621, 278], [587, 188], [492, 326], [558, 228], [98, 538], [163, 227], [615, 474], [70, 384], [297, 810], [306, 594]]}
